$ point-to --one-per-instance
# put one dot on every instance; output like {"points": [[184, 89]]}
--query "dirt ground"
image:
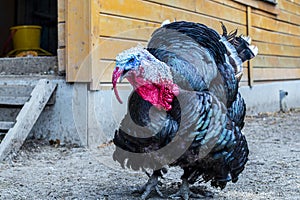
{"points": [[42, 171]]}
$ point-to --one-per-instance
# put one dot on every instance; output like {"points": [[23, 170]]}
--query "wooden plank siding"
{"points": [[277, 37], [120, 24], [126, 23]]}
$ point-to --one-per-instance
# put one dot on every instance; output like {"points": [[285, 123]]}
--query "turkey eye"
{"points": [[125, 71], [130, 60]]}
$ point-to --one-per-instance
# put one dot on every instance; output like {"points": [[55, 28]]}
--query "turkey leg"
{"points": [[151, 185], [185, 192]]}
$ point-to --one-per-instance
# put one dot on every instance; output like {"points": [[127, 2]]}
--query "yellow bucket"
{"points": [[26, 37]]}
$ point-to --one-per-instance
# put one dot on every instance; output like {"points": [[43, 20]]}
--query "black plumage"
{"points": [[203, 126]]}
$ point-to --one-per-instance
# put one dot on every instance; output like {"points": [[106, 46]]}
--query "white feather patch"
{"points": [[167, 21], [254, 49], [247, 39]]}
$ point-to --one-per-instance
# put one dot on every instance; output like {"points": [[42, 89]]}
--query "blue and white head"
{"points": [[126, 61], [146, 74], [129, 59]]}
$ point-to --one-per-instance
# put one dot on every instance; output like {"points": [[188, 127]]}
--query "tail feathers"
{"points": [[246, 51], [243, 46], [239, 48], [233, 57], [247, 39]]}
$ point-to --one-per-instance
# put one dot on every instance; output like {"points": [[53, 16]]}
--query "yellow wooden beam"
{"points": [[94, 45], [77, 41], [250, 65], [61, 8]]}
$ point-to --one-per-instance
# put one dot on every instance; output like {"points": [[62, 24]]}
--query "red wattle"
{"points": [[160, 95]]}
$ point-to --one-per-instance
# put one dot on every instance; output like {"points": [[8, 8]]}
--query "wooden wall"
{"points": [[120, 24], [278, 40]]}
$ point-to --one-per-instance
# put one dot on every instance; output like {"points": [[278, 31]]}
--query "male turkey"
{"points": [[185, 109]]}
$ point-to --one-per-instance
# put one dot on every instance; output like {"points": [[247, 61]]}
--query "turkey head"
{"points": [[151, 78]]}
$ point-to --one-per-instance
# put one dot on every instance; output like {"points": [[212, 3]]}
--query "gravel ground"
{"points": [[42, 171]]}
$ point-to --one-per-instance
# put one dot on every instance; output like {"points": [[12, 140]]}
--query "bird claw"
{"points": [[205, 193], [145, 191], [151, 185], [185, 195], [185, 192]]}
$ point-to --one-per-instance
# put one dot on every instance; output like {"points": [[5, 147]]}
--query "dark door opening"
{"points": [[29, 12]]}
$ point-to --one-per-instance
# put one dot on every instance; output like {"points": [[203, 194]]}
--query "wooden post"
{"points": [[94, 45], [250, 65], [77, 41], [82, 41]]}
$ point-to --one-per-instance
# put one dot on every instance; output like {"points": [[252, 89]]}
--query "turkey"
{"points": [[185, 108]]}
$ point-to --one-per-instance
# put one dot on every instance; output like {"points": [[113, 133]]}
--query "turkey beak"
{"points": [[117, 73]]}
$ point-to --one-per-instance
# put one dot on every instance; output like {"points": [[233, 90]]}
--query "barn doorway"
{"points": [[35, 13], [29, 12]]}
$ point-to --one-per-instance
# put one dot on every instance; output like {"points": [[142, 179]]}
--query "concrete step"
{"points": [[28, 65], [4, 125], [30, 112], [15, 90], [9, 113], [16, 95], [13, 101]]}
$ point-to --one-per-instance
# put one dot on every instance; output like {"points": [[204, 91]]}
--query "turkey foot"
{"points": [[185, 192], [151, 185]]}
